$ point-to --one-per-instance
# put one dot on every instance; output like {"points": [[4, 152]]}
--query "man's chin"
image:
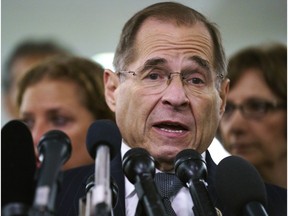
{"points": [[165, 166], [165, 161]]}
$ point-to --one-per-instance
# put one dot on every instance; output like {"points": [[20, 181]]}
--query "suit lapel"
{"points": [[118, 175], [211, 168]]}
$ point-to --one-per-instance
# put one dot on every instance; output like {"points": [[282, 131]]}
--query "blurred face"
{"points": [[179, 113], [52, 104], [260, 140], [18, 69]]}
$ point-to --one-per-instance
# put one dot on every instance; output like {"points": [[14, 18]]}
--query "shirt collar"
{"points": [[129, 187]]}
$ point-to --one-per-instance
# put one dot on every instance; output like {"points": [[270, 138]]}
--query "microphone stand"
{"points": [[103, 143], [85, 202], [139, 168], [192, 170], [55, 147], [198, 208], [101, 192]]}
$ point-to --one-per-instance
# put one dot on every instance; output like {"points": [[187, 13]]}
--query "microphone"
{"points": [[18, 166], [139, 168], [240, 187], [84, 202], [55, 148], [113, 186], [103, 143], [191, 170]]}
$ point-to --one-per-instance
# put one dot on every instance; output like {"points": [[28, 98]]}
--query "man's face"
{"points": [[167, 120]]}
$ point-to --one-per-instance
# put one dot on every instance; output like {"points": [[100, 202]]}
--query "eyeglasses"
{"points": [[156, 79], [253, 108]]}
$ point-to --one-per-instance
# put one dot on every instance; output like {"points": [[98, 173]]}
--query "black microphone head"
{"points": [[103, 132], [239, 183], [138, 162], [18, 164], [189, 165], [61, 141]]}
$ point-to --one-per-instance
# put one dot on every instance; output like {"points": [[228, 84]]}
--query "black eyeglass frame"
{"points": [[261, 108]]}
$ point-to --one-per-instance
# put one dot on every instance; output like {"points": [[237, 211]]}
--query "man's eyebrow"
{"points": [[162, 61], [154, 62], [201, 62]]}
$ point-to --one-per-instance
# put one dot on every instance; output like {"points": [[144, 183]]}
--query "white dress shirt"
{"points": [[182, 203]]}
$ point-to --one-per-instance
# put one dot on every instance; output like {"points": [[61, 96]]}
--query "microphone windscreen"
{"points": [[239, 183], [138, 162], [18, 164], [189, 164], [62, 146], [103, 132]]}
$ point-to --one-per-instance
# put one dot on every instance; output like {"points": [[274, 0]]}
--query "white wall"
{"points": [[92, 26]]}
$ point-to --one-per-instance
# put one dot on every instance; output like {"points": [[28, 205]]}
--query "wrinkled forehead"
{"points": [[157, 38]]}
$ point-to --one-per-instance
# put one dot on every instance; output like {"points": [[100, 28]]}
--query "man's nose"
{"points": [[175, 93]]}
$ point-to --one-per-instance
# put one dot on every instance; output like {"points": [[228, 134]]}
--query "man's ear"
{"points": [[111, 83], [224, 90]]}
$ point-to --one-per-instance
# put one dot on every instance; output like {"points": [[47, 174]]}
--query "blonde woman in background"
{"points": [[64, 93]]}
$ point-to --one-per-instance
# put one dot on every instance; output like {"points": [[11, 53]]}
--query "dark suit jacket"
{"points": [[73, 188]]}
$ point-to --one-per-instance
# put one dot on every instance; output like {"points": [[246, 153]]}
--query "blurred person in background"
{"points": [[64, 93], [254, 125], [25, 55]]}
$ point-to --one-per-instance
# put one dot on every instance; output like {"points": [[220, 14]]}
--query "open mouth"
{"points": [[171, 127]]}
